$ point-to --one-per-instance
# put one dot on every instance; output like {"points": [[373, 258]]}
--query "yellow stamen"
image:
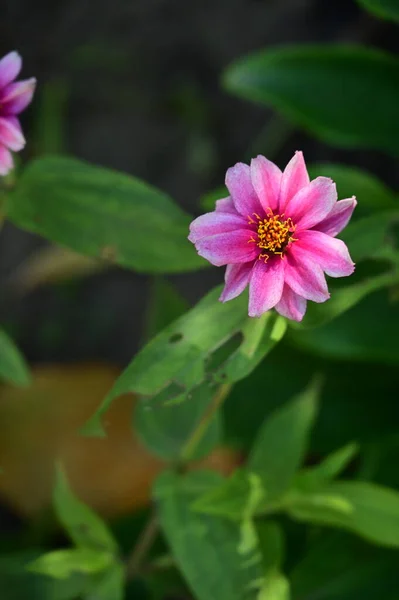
{"points": [[274, 234]]}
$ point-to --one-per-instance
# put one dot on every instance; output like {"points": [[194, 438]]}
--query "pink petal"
{"points": [[10, 66], [11, 135], [303, 276], [17, 96], [6, 162], [239, 184], [295, 177], [338, 218], [266, 285], [330, 253], [215, 222], [312, 203], [266, 180], [15, 121], [236, 280], [291, 305], [225, 205], [228, 248]]}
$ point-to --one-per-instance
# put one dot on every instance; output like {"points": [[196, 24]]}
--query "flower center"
{"points": [[274, 234]]}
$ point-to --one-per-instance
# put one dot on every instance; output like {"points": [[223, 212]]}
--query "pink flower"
{"points": [[276, 233], [14, 97]]}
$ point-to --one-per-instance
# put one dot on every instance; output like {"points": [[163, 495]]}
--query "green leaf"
{"points": [[259, 337], [63, 563], [166, 420], [367, 509], [329, 90], [281, 443], [239, 498], [187, 341], [84, 527], [235, 497], [370, 192], [328, 469], [103, 213], [205, 547], [195, 350], [165, 426], [175, 361], [18, 583], [321, 507], [109, 585], [12, 364], [386, 9], [275, 587]]}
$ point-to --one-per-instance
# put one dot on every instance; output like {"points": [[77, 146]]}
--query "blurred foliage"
{"points": [[329, 90], [386, 9], [12, 365]]}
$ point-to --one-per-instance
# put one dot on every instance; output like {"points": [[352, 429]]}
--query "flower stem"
{"points": [[140, 550], [199, 432], [135, 560]]}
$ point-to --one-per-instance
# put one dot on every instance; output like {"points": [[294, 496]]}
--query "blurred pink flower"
{"points": [[276, 233], [14, 98]]}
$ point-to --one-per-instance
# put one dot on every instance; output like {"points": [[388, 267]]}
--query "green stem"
{"points": [[135, 560], [199, 432]]}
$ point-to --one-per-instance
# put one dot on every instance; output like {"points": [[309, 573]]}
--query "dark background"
{"points": [[139, 83]]}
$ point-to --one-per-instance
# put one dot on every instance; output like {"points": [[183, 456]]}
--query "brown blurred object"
{"points": [[53, 264], [40, 423]]}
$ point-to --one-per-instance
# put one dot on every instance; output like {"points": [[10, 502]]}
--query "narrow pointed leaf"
{"points": [[328, 469], [63, 563], [82, 524], [370, 510]]}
